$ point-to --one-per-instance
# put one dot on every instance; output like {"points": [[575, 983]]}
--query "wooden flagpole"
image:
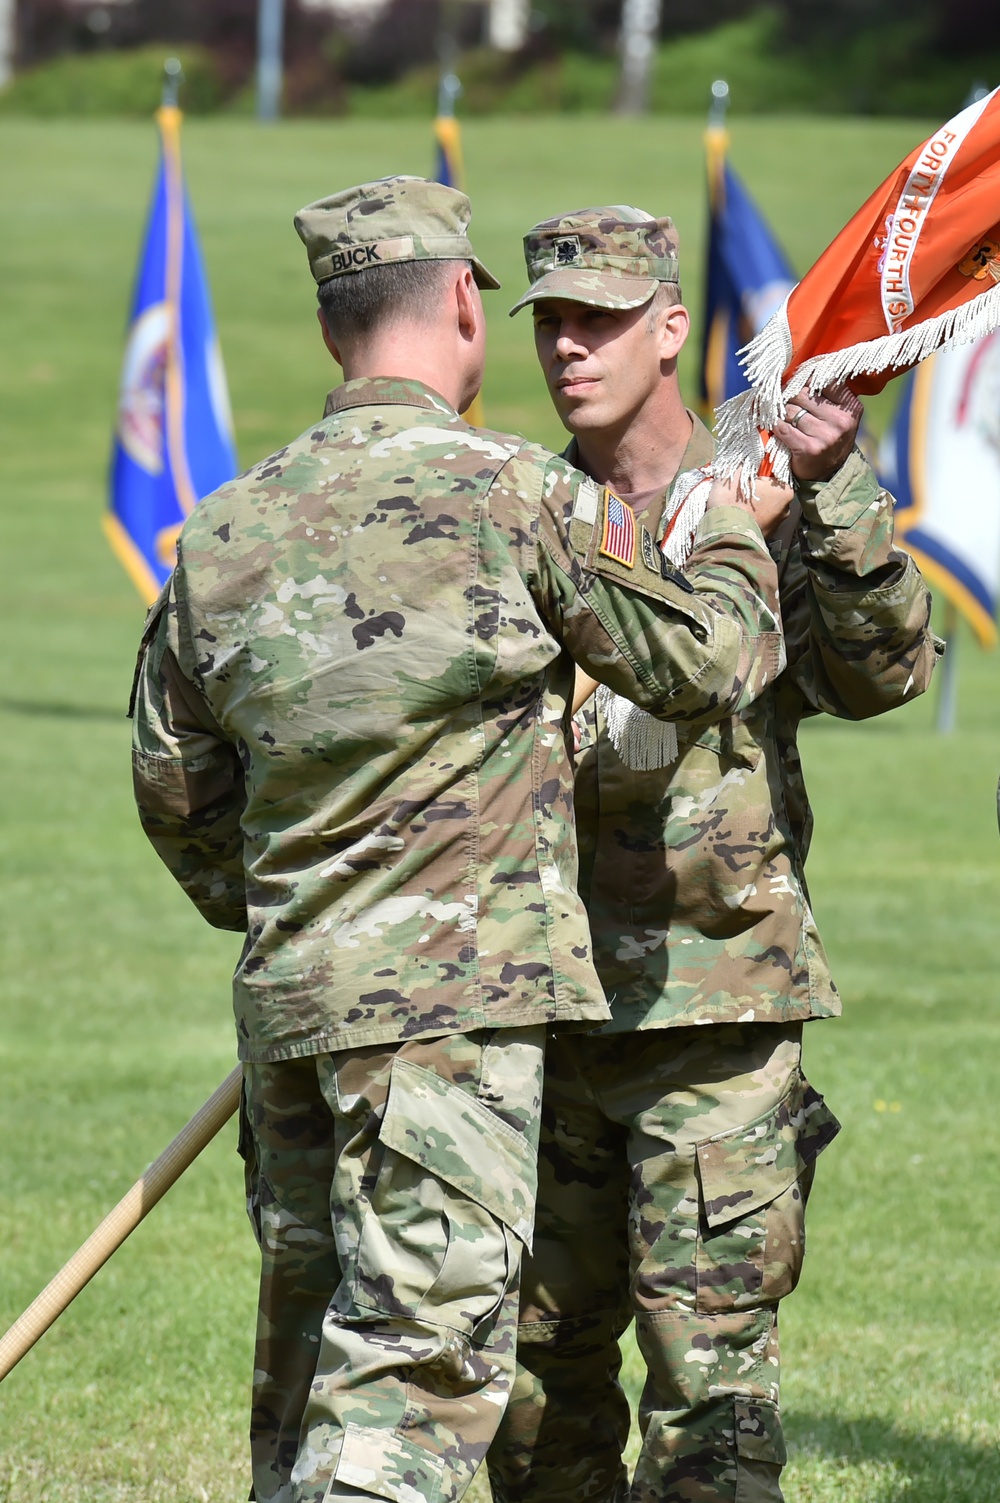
{"points": [[116, 1226]]}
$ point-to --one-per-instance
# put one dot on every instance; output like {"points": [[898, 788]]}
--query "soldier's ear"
{"points": [[468, 303], [673, 327], [328, 339]]}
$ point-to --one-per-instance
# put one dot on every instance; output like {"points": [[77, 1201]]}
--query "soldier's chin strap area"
{"points": [[106, 1239]]}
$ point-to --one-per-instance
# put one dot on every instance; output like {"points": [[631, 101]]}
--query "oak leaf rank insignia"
{"points": [[566, 250]]}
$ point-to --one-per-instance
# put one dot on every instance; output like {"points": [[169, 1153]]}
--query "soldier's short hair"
{"points": [[357, 305], [667, 295]]}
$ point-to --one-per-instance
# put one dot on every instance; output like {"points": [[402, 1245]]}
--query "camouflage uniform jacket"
{"points": [[693, 874], [350, 726]]}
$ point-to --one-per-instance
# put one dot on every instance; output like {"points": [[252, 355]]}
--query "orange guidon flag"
{"points": [[916, 269]]}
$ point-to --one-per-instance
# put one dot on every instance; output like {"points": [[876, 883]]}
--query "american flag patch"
{"points": [[618, 541]]}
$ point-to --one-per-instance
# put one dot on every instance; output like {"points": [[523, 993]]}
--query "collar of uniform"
{"points": [[386, 391], [701, 446], [700, 451]]}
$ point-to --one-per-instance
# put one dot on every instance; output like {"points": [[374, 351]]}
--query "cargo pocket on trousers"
{"points": [[755, 1181], [452, 1204], [760, 1451]]}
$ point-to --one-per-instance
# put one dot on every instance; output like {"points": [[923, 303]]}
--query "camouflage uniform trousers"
{"points": [[392, 1188], [674, 1167]]}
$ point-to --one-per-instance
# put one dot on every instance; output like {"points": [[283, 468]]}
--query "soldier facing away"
{"points": [[676, 1158], [351, 744]]}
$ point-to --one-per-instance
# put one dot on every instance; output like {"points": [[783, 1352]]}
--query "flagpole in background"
{"points": [[450, 166], [747, 274], [270, 35], [173, 77], [717, 111], [717, 319]]}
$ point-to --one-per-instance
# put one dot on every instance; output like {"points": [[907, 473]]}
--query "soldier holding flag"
{"points": [[676, 1158]]}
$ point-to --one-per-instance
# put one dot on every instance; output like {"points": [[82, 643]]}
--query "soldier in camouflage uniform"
{"points": [[676, 1158], [350, 745]]}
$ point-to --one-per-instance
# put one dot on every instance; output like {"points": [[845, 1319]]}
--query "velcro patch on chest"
{"points": [[619, 531]]}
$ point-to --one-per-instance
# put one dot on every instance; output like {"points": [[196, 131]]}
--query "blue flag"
{"points": [[173, 439], [941, 461], [748, 277]]}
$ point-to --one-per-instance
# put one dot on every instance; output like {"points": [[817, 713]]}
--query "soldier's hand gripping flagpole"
{"points": [[116, 1226]]}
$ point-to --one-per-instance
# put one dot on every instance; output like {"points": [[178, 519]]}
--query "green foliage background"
{"points": [[114, 1012], [888, 66], [129, 82]]}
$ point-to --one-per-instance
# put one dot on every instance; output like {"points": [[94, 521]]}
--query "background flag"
{"points": [[173, 440], [941, 460], [747, 277], [450, 170]]}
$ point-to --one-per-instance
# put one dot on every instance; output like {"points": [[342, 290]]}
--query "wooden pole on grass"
{"points": [[116, 1226]]}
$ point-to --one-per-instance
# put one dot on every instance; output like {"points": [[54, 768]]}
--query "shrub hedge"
{"points": [[883, 71]]}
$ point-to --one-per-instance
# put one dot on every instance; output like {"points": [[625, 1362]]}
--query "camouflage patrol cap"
{"points": [[393, 219], [611, 257]]}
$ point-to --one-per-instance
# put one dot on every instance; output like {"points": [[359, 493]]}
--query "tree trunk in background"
{"points": [[508, 24], [640, 29], [270, 59], [8, 40]]}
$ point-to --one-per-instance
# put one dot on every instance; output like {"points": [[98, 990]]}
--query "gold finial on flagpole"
{"points": [[449, 90], [717, 138]]}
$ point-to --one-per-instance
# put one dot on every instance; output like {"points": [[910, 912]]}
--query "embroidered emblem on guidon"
{"points": [[982, 261], [618, 536]]}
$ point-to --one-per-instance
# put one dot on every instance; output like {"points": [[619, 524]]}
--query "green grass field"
{"points": [[114, 995]]}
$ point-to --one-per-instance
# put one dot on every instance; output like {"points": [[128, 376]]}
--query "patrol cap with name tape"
{"points": [[610, 257], [393, 219]]}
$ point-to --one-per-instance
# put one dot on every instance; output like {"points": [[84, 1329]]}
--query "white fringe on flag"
{"points": [[766, 358], [643, 742]]}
